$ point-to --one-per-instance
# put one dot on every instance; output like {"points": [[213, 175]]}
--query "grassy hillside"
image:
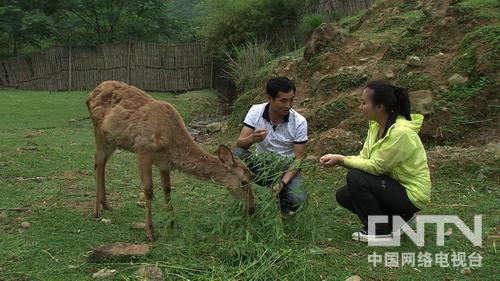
{"points": [[46, 164]]}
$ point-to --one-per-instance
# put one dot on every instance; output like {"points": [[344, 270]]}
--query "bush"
{"points": [[415, 81], [309, 23], [479, 51], [234, 22], [243, 66]]}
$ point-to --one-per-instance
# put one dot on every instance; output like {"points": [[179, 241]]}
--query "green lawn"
{"points": [[46, 165]]}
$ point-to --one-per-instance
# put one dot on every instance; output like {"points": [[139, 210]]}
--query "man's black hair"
{"points": [[279, 84]]}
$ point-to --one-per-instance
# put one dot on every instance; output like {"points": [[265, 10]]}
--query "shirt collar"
{"points": [[265, 115]]}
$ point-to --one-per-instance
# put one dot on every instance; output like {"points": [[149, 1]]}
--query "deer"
{"points": [[128, 118]]}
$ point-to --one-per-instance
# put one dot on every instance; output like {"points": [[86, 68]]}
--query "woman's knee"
{"points": [[342, 196]]}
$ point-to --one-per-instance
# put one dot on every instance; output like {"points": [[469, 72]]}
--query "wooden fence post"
{"points": [[69, 70], [128, 62]]}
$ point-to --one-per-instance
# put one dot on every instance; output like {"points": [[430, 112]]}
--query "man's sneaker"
{"points": [[363, 236]]}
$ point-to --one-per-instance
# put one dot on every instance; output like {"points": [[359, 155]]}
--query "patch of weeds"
{"points": [[313, 65], [465, 92], [347, 22], [479, 9], [405, 47], [348, 79], [412, 81], [408, 5], [331, 115], [241, 107], [479, 51], [393, 22]]}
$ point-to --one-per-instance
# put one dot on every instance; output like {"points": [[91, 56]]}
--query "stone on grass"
{"points": [[413, 61], [353, 278], [104, 273], [25, 224], [457, 80], [118, 251], [422, 101], [150, 273]]}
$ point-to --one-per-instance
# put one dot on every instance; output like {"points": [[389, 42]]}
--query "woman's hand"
{"points": [[331, 159]]}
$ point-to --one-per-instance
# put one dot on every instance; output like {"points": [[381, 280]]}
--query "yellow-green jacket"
{"points": [[400, 155]]}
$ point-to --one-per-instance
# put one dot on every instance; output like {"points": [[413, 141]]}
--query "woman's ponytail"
{"points": [[403, 102]]}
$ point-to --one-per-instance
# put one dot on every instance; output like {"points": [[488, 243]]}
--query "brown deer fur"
{"points": [[126, 117]]}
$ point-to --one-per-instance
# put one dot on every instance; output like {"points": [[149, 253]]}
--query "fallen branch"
{"points": [[16, 209], [452, 205]]}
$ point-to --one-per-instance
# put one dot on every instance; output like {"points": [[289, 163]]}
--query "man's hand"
{"points": [[259, 135], [331, 159], [277, 188]]}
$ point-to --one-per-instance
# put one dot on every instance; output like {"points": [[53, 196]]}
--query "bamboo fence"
{"points": [[149, 66]]}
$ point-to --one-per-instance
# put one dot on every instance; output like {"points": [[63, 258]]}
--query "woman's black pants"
{"points": [[366, 195]]}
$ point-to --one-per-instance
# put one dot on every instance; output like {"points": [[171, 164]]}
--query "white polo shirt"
{"points": [[281, 138]]}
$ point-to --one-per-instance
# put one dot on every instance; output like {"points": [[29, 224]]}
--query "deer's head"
{"points": [[238, 176]]}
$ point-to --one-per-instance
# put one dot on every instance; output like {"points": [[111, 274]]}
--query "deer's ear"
{"points": [[225, 155]]}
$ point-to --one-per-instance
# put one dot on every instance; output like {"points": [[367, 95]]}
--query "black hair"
{"points": [[279, 84], [394, 99]]}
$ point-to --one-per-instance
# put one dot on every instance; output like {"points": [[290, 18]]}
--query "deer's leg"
{"points": [[165, 183], [103, 153], [145, 170]]}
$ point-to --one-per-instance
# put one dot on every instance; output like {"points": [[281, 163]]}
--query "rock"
{"points": [[389, 75], [466, 271], [104, 273], [413, 61], [150, 273], [448, 232], [457, 80], [312, 158], [118, 251], [106, 221], [139, 225], [354, 278], [363, 59], [422, 101], [217, 127], [326, 36], [25, 224]]}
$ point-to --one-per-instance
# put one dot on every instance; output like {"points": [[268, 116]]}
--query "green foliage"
{"points": [[479, 51], [22, 27], [330, 115], [241, 107], [348, 79], [413, 81], [233, 22], [406, 47], [480, 9], [347, 22], [408, 5], [309, 23], [465, 92], [242, 67], [30, 25]]}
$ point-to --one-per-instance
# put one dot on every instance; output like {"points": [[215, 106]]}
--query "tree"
{"points": [[22, 25]]}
